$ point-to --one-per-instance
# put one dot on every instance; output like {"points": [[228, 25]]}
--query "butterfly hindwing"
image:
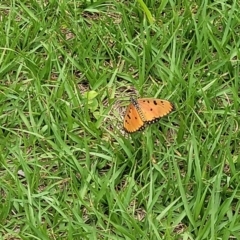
{"points": [[132, 120]]}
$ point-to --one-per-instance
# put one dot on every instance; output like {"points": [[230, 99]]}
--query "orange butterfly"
{"points": [[145, 111]]}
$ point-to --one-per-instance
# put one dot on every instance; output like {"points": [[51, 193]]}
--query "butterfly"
{"points": [[145, 111]]}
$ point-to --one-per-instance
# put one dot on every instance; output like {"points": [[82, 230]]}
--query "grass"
{"points": [[68, 69]]}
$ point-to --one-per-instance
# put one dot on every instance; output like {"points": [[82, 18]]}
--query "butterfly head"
{"points": [[133, 101]]}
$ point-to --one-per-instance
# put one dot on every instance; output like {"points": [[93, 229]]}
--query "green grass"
{"points": [[68, 70]]}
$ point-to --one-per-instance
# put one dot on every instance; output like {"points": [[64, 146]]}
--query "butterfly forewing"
{"points": [[132, 120], [154, 109]]}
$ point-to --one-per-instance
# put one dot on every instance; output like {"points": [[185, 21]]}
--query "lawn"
{"points": [[68, 169]]}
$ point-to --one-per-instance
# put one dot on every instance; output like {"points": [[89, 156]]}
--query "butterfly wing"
{"points": [[153, 109], [132, 120]]}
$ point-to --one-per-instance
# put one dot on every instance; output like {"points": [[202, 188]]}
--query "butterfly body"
{"points": [[145, 111]]}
